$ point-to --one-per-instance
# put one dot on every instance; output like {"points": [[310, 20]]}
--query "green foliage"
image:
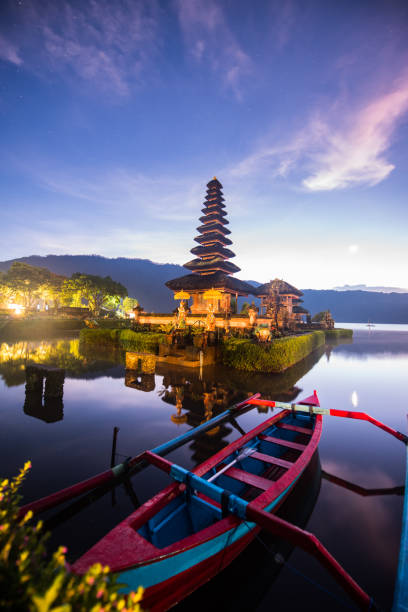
{"points": [[140, 341], [244, 308], [98, 292], [97, 337], [130, 303], [126, 339], [282, 353], [319, 316], [32, 581], [338, 332]]}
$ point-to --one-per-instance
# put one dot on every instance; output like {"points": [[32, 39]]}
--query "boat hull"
{"points": [[171, 571]]}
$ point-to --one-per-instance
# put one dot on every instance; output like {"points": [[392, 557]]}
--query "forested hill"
{"points": [[145, 280]]}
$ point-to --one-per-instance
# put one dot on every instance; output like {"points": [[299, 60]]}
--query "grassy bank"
{"points": [[33, 329], [124, 339], [276, 357], [334, 334]]}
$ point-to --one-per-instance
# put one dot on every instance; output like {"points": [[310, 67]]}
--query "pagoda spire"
{"points": [[212, 256]]}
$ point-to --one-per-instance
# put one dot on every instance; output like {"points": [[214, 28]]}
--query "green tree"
{"points": [[96, 291], [244, 308], [28, 284]]}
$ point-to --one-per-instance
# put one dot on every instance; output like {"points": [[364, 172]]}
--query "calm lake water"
{"points": [[71, 440]]}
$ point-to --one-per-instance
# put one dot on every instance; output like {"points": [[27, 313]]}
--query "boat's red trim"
{"points": [[281, 442]]}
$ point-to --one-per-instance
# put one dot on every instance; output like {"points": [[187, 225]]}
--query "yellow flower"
{"points": [[27, 516], [24, 556]]}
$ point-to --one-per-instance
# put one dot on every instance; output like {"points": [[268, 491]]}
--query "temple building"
{"points": [[280, 300], [211, 269]]}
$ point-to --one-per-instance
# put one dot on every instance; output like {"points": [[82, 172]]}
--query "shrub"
{"points": [[140, 341], [338, 332], [282, 353], [32, 581], [99, 337]]}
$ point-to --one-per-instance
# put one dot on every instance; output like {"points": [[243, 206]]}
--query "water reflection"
{"points": [[48, 409], [98, 396]]}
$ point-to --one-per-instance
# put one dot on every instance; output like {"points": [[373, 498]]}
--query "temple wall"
{"points": [[236, 322]]}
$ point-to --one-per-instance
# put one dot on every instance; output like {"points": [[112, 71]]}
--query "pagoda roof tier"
{"points": [[214, 218], [202, 266], [213, 227], [212, 238], [214, 196], [215, 249], [218, 280], [214, 183], [277, 286], [216, 208]]}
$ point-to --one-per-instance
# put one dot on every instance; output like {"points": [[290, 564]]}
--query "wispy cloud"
{"points": [[210, 39], [122, 189], [344, 147], [9, 52], [106, 45]]}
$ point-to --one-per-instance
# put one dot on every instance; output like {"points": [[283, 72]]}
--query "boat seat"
{"points": [[272, 460], [249, 479], [303, 430], [281, 442]]}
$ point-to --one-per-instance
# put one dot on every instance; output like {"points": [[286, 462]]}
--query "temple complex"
{"points": [[211, 270], [208, 294]]}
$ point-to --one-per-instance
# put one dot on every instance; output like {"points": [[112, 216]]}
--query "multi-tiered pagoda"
{"points": [[211, 269]]}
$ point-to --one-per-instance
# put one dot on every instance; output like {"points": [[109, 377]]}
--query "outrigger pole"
{"points": [[311, 405], [133, 464]]}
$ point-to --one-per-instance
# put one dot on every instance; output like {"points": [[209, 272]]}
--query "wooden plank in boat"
{"points": [[294, 445], [250, 479], [303, 430], [272, 460]]}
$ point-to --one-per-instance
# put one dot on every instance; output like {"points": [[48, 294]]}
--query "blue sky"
{"points": [[115, 115]]}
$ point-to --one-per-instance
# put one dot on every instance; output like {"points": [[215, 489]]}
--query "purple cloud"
{"points": [[106, 45]]}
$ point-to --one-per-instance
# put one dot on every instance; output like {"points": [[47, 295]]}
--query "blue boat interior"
{"points": [[246, 472]]}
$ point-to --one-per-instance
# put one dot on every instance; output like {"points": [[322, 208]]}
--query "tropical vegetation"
{"points": [[33, 580]]}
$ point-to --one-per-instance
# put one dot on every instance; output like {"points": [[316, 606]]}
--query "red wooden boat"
{"points": [[200, 522], [187, 533]]}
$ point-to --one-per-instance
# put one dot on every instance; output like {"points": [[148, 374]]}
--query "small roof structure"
{"points": [[276, 286], [218, 280], [300, 310]]}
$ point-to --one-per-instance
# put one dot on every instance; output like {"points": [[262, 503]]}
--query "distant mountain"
{"points": [[358, 306], [373, 289], [145, 280]]}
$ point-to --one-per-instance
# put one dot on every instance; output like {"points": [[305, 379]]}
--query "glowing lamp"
{"points": [[181, 295], [18, 309]]}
